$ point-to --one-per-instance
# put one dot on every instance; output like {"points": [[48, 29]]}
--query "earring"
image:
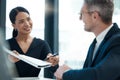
{"points": [[15, 29]]}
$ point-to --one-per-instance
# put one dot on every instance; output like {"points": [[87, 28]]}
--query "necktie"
{"points": [[92, 49], [90, 54]]}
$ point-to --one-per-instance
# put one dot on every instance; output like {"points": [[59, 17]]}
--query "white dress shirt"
{"points": [[100, 37]]}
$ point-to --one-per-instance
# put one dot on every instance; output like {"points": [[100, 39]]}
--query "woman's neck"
{"points": [[24, 38]]}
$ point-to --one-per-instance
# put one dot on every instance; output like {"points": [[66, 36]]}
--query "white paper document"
{"points": [[30, 60]]}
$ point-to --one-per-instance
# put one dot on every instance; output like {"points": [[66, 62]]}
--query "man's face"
{"points": [[86, 16]]}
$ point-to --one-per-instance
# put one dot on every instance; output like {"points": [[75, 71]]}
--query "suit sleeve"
{"points": [[108, 68]]}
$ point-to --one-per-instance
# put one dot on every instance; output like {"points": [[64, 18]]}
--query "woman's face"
{"points": [[23, 23]]}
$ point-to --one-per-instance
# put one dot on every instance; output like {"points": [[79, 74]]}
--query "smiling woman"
{"points": [[26, 44], [36, 15]]}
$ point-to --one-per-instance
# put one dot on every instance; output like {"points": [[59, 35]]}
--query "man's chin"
{"points": [[88, 30]]}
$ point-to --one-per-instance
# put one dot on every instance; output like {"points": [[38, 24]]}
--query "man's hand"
{"points": [[59, 73]]}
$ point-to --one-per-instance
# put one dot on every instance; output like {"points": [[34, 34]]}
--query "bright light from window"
{"points": [[74, 41]]}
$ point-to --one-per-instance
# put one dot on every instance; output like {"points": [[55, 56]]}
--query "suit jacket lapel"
{"points": [[90, 54], [112, 31], [98, 51], [88, 61]]}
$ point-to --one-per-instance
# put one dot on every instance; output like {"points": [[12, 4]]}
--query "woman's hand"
{"points": [[54, 59], [12, 58]]}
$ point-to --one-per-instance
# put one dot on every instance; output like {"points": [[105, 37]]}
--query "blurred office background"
{"points": [[57, 21]]}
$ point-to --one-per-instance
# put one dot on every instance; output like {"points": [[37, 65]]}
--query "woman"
{"points": [[23, 43]]}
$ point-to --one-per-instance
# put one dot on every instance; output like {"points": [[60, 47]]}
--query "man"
{"points": [[102, 61]]}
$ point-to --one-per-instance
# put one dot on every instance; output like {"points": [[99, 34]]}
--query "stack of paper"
{"points": [[30, 60]]}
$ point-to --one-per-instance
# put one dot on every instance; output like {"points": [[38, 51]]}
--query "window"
{"points": [[74, 41], [116, 12]]}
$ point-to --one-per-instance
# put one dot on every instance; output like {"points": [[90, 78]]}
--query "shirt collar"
{"points": [[101, 36]]}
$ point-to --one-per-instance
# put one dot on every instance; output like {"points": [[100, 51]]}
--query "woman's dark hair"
{"points": [[13, 14]]}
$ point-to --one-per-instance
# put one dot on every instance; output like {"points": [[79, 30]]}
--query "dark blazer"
{"points": [[106, 64]]}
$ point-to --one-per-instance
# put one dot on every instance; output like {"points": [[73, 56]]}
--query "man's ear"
{"points": [[95, 15]]}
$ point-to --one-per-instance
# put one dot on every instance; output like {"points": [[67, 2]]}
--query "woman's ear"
{"points": [[14, 26]]}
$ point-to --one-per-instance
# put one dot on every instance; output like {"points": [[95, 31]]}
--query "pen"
{"points": [[51, 56]]}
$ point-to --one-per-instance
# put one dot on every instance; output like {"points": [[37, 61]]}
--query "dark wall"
{"points": [[3, 14], [51, 31]]}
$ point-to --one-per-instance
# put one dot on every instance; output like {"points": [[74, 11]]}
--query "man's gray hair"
{"points": [[105, 8]]}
